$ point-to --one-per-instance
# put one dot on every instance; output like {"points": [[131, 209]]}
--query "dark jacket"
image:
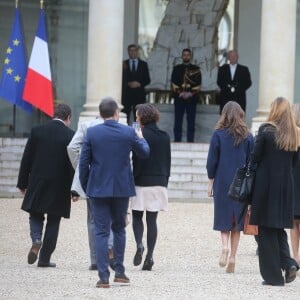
{"points": [[241, 82], [46, 171], [186, 78], [273, 190], [155, 170], [134, 95], [297, 189]]}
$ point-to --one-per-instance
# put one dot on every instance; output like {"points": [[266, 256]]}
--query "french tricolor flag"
{"points": [[38, 88]]}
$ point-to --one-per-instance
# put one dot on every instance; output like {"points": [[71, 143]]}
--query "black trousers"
{"points": [[190, 109], [36, 222], [274, 254]]}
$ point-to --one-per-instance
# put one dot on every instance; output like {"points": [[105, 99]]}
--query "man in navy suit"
{"points": [[233, 80], [106, 178], [135, 78]]}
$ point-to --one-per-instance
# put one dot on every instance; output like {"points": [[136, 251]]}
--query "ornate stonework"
{"points": [[187, 24]]}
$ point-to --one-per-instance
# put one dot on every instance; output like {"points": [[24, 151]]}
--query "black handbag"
{"points": [[241, 186]]}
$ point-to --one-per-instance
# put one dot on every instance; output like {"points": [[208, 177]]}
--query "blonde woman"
{"points": [[230, 146], [275, 150], [295, 231]]}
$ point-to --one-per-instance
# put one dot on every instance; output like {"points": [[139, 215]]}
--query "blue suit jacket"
{"points": [[104, 166]]}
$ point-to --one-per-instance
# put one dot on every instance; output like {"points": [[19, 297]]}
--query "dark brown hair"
{"points": [[62, 111], [148, 113], [232, 118]]}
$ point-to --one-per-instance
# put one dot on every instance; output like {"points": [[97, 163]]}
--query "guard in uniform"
{"points": [[186, 81]]}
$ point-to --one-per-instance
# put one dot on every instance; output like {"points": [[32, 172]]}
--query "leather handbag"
{"points": [[241, 186], [249, 229]]}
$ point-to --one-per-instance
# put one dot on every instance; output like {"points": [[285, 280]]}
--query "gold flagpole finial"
{"points": [[42, 4], [16, 3]]}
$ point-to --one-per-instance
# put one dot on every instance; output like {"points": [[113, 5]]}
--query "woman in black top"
{"points": [[151, 178]]}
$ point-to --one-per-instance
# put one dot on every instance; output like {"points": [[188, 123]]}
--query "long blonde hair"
{"points": [[281, 116], [232, 118]]}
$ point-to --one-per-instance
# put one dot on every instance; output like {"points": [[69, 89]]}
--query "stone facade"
{"points": [[187, 24]]}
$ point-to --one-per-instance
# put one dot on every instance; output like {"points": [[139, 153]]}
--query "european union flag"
{"points": [[14, 70]]}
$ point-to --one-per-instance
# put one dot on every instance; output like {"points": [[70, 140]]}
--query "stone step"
{"points": [[7, 172], [195, 147], [189, 154], [188, 177], [188, 162], [194, 186], [9, 164], [187, 169], [9, 191], [8, 180], [188, 180], [188, 195]]}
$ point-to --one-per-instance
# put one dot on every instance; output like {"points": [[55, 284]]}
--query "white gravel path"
{"points": [[186, 261]]}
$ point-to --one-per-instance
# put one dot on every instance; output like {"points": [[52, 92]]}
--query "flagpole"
{"points": [[14, 106]]}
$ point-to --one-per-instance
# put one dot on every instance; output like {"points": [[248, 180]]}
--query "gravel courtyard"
{"points": [[186, 261]]}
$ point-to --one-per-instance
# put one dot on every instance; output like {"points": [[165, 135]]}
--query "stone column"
{"points": [[105, 53], [277, 55]]}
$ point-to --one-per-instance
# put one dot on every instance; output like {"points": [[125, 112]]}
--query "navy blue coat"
{"points": [[104, 165], [222, 161]]}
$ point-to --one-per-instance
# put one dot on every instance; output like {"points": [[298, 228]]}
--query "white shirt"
{"points": [[232, 70], [136, 64]]}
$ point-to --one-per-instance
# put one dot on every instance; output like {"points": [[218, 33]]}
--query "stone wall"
{"points": [[187, 24]]}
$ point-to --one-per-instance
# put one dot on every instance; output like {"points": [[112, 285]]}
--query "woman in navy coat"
{"points": [[272, 208], [230, 146]]}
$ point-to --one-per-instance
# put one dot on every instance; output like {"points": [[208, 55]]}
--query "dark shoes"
{"points": [[46, 265], [103, 283], [93, 267], [34, 251], [138, 256], [148, 263], [121, 278], [290, 274], [267, 283]]}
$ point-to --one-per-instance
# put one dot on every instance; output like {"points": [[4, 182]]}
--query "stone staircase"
{"points": [[188, 179], [11, 151]]}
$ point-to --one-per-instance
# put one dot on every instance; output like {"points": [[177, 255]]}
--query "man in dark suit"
{"points": [[186, 81], [135, 78], [106, 178], [233, 80], [45, 179]]}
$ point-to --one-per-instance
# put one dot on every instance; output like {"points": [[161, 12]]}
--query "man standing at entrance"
{"points": [[186, 81], [233, 80], [135, 78]]}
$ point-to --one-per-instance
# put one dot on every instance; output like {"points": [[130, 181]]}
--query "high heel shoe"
{"points": [[138, 256], [223, 258], [230, 267], [148, 263]]}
